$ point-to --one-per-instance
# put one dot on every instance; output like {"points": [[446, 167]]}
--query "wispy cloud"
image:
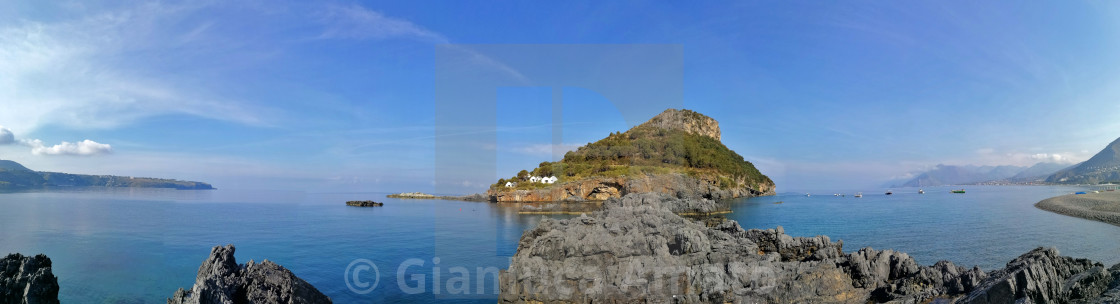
{"points": [[546, 149], [357, 22], [81, 72]]}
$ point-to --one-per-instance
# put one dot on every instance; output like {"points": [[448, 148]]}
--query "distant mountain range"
{"points": [[1101, 168], [957, 175], [14, 176]]}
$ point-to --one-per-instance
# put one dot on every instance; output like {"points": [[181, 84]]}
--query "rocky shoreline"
{"points": [[1102, 207], [603, 188], [637, 249]]}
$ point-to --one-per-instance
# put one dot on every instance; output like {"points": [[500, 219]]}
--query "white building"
{"points": [[549, 180], [534, 179], [510, 184]]}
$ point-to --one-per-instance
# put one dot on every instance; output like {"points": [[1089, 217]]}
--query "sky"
{"points": [[341, 95]]}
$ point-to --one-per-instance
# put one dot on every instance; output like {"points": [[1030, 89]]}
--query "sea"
{"points": [[140, 245]]}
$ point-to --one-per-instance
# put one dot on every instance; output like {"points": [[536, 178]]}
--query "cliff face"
{"points": [[603, 188], [686, 120], [638, 250]]}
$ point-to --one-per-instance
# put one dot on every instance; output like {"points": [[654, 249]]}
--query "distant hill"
{"points": [[677, 151], [12, 166], [1101, 168], [958, 175], [14, 176]]}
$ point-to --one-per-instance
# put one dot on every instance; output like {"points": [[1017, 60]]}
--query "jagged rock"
{"points": [[221, 280], [25, 279], [1042, 276], [637, 249]]}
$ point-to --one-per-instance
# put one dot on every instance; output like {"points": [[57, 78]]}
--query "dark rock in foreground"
{"points": [[364, 204], [637, 250], [221, 280], [29, 280]]}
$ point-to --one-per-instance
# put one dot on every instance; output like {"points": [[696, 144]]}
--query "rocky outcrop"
{"points": [[637, 249], [1043, 276], [364, 204], [686, 120], [26, 279], [221, 280], [603, 188]]}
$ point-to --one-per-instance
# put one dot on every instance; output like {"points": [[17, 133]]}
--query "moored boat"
{"points": [[958, 191], [859, 194]]}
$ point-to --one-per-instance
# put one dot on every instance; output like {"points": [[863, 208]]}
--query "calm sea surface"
{"points": [[139, 245]]}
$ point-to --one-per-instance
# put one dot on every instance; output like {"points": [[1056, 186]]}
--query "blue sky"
{"points": [[338, 96]]}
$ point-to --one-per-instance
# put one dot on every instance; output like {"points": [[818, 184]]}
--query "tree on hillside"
{"points": [[523, 175]]}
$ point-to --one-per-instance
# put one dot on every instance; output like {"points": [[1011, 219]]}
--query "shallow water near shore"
{"points": [[987, 226], [139, 245]]}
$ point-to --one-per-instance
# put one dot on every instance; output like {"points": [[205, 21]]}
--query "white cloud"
{"points": [[6, 136], [81, 148], [1055, 158]]}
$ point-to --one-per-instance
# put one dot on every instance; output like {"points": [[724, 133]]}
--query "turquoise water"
{"points": [[139, 245]]}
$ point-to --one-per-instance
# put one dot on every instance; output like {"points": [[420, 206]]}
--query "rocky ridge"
{"points": [[27, 279], [638, 250], [221, 280]]}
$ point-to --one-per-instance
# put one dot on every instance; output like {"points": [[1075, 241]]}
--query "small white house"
{"points": [[534, 179], [510, 184], [549, 180]]}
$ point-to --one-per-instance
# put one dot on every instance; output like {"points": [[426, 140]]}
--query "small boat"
{"points": [[778, 202], [859, 194], [958, 191], [806, 194], [1080, 192], [920, 191], [889, 192]]}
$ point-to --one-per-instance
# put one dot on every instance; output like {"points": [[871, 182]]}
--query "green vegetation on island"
{"points": [[659, 146]]}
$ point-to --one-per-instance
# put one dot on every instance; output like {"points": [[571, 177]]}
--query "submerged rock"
{"points": [[638, 250], [221, 280], [25, 279]]}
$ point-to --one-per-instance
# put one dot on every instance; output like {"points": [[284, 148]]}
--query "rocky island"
{"points": [[364, 204], [677, 152], [637, 249], [16, 177]]}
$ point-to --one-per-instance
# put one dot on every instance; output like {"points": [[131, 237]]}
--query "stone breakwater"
{"points": [[637, 249], [221, 280], [27, 279], [1101, 207]]}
